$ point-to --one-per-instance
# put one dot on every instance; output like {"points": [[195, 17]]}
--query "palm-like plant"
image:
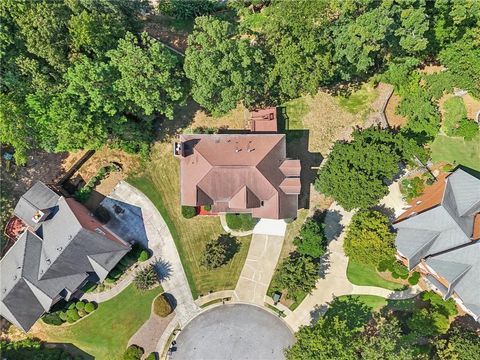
{"points": [[145, 278]]}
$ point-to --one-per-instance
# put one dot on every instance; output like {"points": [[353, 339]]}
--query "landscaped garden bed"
{"points": [[240, 222], [84, 193], [68, 312]]}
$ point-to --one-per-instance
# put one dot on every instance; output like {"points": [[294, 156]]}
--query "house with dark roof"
{"points": [[241, 173], [61, 247], [439, 237]]}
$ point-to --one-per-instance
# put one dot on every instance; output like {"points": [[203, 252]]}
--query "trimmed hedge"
{"points": [[413, 280], [144, 256], [89, 307], [151, 356], [189, 212], [161, 306], [133, 352], [80, 305]]}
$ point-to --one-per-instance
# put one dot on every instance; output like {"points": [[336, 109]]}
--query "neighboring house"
{"points": [[61, 246], [241, 173], [439, 236]]}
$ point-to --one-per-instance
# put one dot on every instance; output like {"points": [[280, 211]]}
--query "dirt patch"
{"points": [[432, 69], [393, 119], [472, 105], [41, 166], [169, 31]]}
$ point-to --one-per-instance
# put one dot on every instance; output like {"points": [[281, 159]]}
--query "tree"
{"points": [[145, 278], [328, 339], [220, 251], [150, 78], [224, 67], [311, 240], [428, 322], [361, 41], [412, 29], [369, 239], [461, 344], [297, 274], [387, 343], [299, 40], [31, 349], [355, 173]]}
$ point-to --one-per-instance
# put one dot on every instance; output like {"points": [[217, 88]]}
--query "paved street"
{"points": [[234, 332]]}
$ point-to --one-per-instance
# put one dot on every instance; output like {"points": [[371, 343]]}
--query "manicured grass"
{"points": [[105, 333], [364, 275], [372, 301], [242, 222], [160, 183], [454, 111], [358, 101], [457, 150], [295, 110]]}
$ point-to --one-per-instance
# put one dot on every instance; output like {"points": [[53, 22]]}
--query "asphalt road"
{"points": [[233, 332]]}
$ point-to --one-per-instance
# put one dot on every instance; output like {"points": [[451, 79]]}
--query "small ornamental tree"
{"points": [[311, 239], [298, 274], [219, 251], [189, 212], [145, 278], [161, 306], [369, 239]]}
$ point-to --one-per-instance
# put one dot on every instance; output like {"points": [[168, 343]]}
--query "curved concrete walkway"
{"points": [[223, 221], [335, 281]]}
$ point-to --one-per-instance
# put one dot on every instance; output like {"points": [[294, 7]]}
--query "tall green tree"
{"points": [[369, 239], [311, 239], [225, 68], [355, 173], [413, 27]]}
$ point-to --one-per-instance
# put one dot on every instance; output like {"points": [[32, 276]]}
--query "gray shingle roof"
{"points": [[58, 256], [452, 229], [38, 197], [463, 266]]}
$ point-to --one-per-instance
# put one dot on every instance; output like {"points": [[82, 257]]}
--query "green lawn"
{"points": [[364, 275], [358, 101], [457, 150], [105, 333], [242, 222], [161, 186]]}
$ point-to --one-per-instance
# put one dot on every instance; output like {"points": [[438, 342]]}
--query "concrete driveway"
{"points": [[234, 332]]}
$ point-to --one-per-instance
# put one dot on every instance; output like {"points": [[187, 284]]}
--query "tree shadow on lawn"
{"points": [[230, 244]]}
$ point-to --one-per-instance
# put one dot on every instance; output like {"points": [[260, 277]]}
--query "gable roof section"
{"points": [[466, 190], [291, 167], [244, 199], [463, 266], [38, 197]]}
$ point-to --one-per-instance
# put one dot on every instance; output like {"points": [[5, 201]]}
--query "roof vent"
{"points": [[59, 248], [4, 291], [419, 202], [39, 216], [70, 237], [48, 261]]}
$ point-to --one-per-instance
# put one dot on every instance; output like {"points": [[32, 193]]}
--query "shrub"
{"points": [[70, 320], [82, 313], [161, 306], [144, 256], [63, 315], [80, 305], [145, 278], [467, 129], [446, 307], [151, 356], [241, 222], [189, 212], [400, 270], [52, 318], [311, 240], [384, 265], [413, 280], [206, 208], [89, 307], [72, 314], [133, 352], [455, 111], [83, 194], [70, 305]]}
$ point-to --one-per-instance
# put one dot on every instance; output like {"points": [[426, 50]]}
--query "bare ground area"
{"points": [[170, 31], [393, 119], [472, 105], [432, 69], [41, 166]]}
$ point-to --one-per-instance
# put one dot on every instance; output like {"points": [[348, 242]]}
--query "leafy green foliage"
{"points": [[144, 256], [182, 9], [468, 129], [455, 111], [189, 212], [369, 239], [243, 222], [297, 274], [161, 306], [31, 348], [461, 344], [89, 307], [355, 172], [224, 68], [427, 322], [220, 251], [133, 352], [414, 278], [412, 188], [446, 307], [311, 240], [145, 278]]}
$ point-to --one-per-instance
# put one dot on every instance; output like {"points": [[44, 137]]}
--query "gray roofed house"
{"points": [[62, 246], [439, 236]]}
